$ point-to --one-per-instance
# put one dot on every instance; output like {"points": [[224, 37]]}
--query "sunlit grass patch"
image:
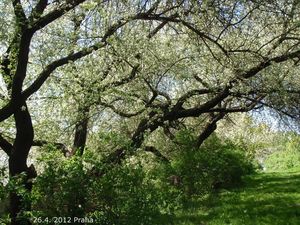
{"points": [[267, 198]]}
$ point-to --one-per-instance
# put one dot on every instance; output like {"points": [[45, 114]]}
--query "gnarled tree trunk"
{"points": [[18, 163]]}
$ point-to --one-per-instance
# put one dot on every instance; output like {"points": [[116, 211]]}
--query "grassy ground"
{"points": [[264, 199]]}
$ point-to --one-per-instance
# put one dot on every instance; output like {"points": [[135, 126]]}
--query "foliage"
{"points": [[15, 185], [286, 158], [216, 164], [247, 132], [72, 71], [3, 198], [125, 194], [2, 185]]}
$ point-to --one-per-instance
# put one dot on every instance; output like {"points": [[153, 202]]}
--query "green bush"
{"points": [[286, 158], [60, 190], [3, 177], [214, 165], [125, 194], [13, 185], [4, 197]]}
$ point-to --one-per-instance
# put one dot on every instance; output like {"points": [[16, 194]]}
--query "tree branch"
{"points": [[177, 113], [38, 10], [19, 12], [118, 111], [6, 146], [190, 94], [210, 127], [157, 153], [157, 29], [155, 93], [58, 63], [59, 146], [55, 14], [203, 35], [73, 57], [278, 59]]}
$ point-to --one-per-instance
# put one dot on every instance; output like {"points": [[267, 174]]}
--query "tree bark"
{"points": [[210, 127], [18, 163], [81, 130]]}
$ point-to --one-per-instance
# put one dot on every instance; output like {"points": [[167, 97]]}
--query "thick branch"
{"points": [[22, 63], [120, 112], [177, 113], [55, 14], [190, 94], [6, 146], [59, 146], [19, 12], [245, 108], [38, 9], [278, 59], [71, 58], [210, 127], [157, 153], [157, 29], [58, 63], [81, 128]]}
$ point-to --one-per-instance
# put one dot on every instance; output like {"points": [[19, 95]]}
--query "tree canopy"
{"points": [[74, 70]]}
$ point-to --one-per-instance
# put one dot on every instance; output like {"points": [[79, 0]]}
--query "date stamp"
{"points": [[62, 220]]}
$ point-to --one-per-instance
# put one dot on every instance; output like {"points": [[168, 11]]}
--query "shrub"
{"points": [[125, 194], [60, 190], [215, 165], [286, 158], [13, 185], [4, 197]]}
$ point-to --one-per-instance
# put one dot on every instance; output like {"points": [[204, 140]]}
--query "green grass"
{"points": [[267, 198]]}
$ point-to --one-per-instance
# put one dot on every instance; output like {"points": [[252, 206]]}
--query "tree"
{"points": [[233, 55], [31, 18]]}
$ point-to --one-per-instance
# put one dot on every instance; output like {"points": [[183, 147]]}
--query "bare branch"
{"points": [[157, 29], [238, 22], [125, 80], [155, 93], [179, 112], [234, 109], [205, 36], [70, 58]]}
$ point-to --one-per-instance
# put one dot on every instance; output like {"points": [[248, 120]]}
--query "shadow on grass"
{"points": [[272, 198]]}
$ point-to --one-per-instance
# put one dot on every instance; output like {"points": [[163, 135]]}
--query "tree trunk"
{"points": [[137, 140], [210, 127], [81, 130], [18, 163]]}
